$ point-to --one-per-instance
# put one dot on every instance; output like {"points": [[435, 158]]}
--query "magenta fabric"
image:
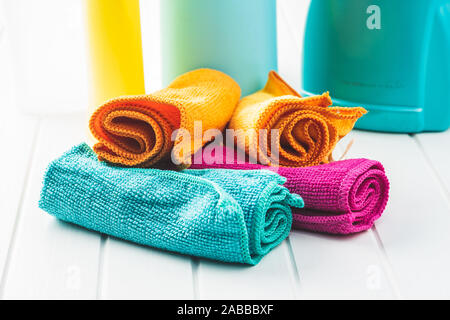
{"points": [[342, 197]]}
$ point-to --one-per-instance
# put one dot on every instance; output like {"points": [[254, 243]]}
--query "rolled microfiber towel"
{"points": [[138, 131], [308, 128], [226, 215], [342, 197]]}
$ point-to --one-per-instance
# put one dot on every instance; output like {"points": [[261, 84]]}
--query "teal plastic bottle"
{"points": [[237, 37], [390, 56]]}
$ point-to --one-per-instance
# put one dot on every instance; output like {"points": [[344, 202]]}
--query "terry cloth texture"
{"points": [[309, 128], [226, 215], [136, 131], [341, 197]]}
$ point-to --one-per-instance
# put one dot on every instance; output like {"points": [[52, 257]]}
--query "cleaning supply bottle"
{"points": [[115, 50], [390, 56], [234, 36]]}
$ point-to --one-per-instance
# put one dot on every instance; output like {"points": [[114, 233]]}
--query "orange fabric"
{"points": [[309, 128], [137, 130]]}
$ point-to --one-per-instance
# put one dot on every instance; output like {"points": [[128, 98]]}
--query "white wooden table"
{"points": [[406, 255]]}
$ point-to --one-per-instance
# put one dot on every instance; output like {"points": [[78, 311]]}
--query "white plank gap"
{"points": [[295, 270], [389, 270], [414, 230], [131, 271], [333, 267], [195, 263], [436, 148], [101, 262], [295, 13], [51, 259]]}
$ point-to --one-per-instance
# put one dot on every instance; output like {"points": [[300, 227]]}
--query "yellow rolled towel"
{"points": [[137, 131], [308, 128]]}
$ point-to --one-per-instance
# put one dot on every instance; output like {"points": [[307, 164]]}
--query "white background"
{"points": [[45, 50]]}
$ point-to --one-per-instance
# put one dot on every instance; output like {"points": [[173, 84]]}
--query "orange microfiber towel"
{"points": [[137, 131], [308, 128]]}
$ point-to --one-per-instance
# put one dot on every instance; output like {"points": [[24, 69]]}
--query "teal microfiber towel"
{"points": [[227, 215]]}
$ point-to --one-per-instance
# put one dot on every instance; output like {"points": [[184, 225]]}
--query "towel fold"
{"points": [[342, 197], [136, 131], [309, 128], [226, 215]]}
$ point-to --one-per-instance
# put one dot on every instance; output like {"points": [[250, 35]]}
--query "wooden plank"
{"points": [[272, 278], [16, 138], [436, 147], [17, 134], [414, 230], [51, 259], [131, 271], [334, 267]]}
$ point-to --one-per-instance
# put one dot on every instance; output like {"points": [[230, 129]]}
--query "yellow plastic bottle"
{"points": [[115, 50]]}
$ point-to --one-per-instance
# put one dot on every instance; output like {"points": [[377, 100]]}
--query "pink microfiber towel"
{"points": [[342, 197]]}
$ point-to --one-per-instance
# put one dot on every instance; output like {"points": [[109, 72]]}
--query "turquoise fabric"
{"points": [[389, 56], [226, 215]]}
